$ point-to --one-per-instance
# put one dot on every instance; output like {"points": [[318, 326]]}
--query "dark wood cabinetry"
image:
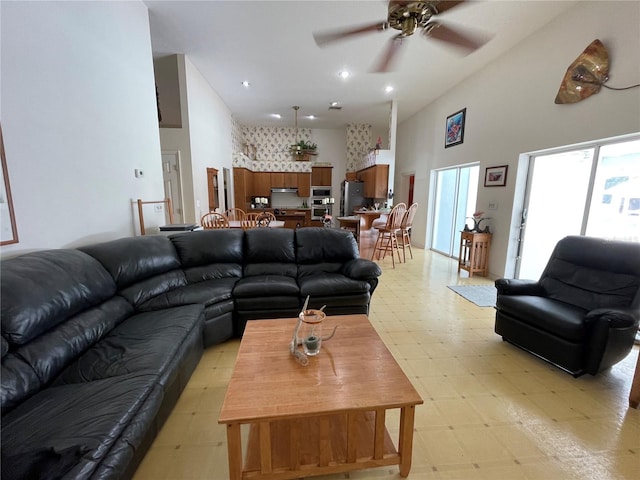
{"points": [[304, 185], [242, 187], [376, 181], [321, 176], [261, 184]]}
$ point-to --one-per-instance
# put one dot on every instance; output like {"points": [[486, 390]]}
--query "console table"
{"points": [[474, 253]]}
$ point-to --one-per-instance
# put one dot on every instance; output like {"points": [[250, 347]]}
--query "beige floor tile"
{"points": [[491, 411]]}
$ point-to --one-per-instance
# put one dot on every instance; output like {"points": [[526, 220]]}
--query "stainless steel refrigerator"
{"points": [[352, 197]]}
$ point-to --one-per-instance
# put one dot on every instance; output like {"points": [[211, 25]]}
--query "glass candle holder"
{"points": [[310, 334]]}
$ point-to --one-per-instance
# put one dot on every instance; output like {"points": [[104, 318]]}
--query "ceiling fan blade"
{"points": [[447, 5], [467, 42], [388, 55], [323, 38]]}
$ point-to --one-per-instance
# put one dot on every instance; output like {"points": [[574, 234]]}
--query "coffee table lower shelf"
{"points": [[309, 446]]}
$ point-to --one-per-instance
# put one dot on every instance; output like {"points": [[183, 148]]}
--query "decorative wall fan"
{"points": [[407, 17]]}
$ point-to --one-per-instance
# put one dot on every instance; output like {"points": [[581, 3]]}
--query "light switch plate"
{"points": [[493, 206]]}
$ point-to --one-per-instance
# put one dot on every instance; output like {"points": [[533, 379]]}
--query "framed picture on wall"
{"points": [[8, 230], [495, 176], [454, 134]]}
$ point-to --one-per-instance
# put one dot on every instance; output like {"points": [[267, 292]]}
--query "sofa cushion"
{"points": [[209, 247], [42, 289], [592, 272], [269, 245], [89, 416], [145, 343], [560, 319], [329, 284], [133, 259], [33, 366], [325, 245], [206, 293], [266, 286]]}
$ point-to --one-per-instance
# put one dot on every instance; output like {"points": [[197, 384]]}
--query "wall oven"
{"points": [[318, 208]]}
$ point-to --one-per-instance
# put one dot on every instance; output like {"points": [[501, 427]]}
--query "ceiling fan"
{"points": [[407, 17]]}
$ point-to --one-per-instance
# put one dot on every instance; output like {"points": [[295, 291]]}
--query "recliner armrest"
{"points": [[616, 318], [513, 286], [361, 269]]}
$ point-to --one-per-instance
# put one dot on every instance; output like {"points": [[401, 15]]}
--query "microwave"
{"points": [[321, 192]]}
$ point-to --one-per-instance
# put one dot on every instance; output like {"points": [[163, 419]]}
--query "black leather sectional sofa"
{"points": [[98, 342]]}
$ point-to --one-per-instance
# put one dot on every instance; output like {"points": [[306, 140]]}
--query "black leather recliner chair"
{"points": [[583, 313]]}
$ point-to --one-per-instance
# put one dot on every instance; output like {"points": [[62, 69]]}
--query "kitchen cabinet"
{"points": [[261, 184], [304, 185], [376, 181], [242, 188], [321, 176], [284, 180]]}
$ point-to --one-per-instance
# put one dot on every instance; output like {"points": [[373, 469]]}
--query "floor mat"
{"points": [[481, 295]]}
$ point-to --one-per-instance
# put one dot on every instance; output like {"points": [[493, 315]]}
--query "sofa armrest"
{"points": [[513, 286], [612, 333], [361, 269], [614, 318]]}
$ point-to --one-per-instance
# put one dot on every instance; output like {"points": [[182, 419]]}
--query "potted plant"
{"points": [[302, 149]]}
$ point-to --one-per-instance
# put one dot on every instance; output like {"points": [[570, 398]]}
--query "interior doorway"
{"points": [[592, 190], [456, 190], [172, 182], [212, 186]]}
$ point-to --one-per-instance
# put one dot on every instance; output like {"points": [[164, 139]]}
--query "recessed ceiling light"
{"points": [[276, 115], [311, 117], [388, 89], [344, 74], [246, 84], [333, 104]]}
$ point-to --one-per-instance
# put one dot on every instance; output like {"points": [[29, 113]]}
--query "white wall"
{"points": [[511, 110], [210, 138], [332, 147], [78, 116]]}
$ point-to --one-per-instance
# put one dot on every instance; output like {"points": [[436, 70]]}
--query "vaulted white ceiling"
{"points": [[270, 44]]}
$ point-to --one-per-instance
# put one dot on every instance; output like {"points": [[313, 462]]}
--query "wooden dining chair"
{"points": [[236, 214], [212, 220], [387, 240], [167, 205], [404, 235], [250, 220]]}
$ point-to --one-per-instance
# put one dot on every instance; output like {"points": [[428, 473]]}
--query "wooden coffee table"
{"points": [[323, 418]]}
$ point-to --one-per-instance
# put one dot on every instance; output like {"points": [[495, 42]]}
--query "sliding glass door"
{"points": [[455, 192], [594, 191]]}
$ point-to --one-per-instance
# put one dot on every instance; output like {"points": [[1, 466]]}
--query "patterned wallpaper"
{"points": [[266, 149], [359, 143]]}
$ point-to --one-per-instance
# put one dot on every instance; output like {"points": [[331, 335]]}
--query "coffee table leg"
{"points": [[234, 451], [405, 443]]}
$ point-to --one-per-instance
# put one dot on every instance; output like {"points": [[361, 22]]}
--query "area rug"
{"points": [[481, 295]]}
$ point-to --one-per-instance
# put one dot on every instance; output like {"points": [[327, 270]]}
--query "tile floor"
{"points": [[491, 411]]}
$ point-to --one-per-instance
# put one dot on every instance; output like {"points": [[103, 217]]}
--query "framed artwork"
{"points": [[496, 176], [8, 230], [454, 134]]}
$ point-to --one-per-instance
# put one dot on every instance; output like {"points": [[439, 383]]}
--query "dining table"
{"points": [[272, 224]]}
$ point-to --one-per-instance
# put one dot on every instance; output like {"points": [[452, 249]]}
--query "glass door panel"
{"points": [[615, 204], [456, 191], [558, 187], [592, 191]]}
